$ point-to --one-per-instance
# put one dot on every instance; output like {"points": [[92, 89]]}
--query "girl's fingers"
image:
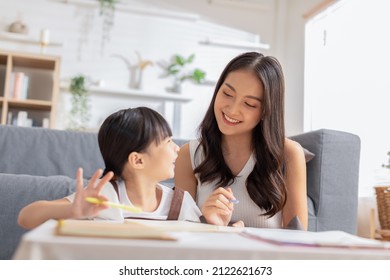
{"points": [[95, 177], [106, 178], [79, 179]]}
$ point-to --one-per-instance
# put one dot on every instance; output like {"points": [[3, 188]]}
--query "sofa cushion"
{"points": [[16, 191], [48, 152], [308, 155]]}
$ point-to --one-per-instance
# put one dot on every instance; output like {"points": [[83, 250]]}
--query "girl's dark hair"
{"points": [[266, 183], [127, 131]]}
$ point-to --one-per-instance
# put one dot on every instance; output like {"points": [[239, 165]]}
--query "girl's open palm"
{"points": [[81, 208]]}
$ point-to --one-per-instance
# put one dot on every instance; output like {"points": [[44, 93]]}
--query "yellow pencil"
{"points": [[112, 204]]}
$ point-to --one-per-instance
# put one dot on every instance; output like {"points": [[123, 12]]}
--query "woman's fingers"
{"points": [[238, 224], [218, 211], [220, 200]]}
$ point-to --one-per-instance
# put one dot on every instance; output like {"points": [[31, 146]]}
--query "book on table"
{"points": [[135, 228]]}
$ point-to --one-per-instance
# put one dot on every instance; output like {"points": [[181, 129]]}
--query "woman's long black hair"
{"points": [[266, 183]]}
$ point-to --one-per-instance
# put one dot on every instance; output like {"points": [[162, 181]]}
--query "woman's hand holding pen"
{"points": [[81, 208], [219, 206]]}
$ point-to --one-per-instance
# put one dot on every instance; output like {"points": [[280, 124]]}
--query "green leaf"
{"points": [[198, 75], [191, 58], [179, 60]]}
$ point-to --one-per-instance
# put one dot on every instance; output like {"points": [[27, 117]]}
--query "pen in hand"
{"points": [[95, 200], [234, 201]]}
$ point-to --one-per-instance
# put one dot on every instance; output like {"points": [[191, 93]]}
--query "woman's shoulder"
{"points": [[293, 150]]}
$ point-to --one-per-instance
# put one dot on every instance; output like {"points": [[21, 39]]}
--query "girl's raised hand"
{"points": [[218, 208], [81, 208]]}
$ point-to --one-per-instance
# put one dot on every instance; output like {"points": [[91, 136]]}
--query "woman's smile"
{"points": [[230, 121]]}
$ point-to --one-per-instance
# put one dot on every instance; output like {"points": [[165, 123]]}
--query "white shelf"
{"points": [[235, 44], [134, 93], [150, 11], [22, 38]]}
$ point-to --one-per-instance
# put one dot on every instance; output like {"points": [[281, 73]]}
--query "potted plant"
{"points": [[79, 113], [107, 12], [177, 68]]}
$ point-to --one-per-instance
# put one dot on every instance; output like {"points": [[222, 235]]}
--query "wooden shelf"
{"points": [[30, 103], [25, 39], [34, 76]]}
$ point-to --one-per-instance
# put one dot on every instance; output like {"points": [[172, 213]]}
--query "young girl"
{"points": [[242, 145], [138, 152]]}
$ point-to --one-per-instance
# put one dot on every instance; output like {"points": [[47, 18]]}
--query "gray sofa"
{"points": [[39, 163]]}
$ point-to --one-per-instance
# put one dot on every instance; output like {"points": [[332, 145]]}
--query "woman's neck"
{"points": [[236, 152], [143, 193], [236, 145]]}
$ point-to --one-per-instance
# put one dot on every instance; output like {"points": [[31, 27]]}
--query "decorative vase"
{"points": [[176, 87], [18, 27]]}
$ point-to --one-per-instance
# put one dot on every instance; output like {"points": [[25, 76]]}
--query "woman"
{"points": [[242, 152]]}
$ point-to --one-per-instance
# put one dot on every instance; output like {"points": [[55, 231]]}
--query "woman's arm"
{"points": [[184, 174], [296, 204]]}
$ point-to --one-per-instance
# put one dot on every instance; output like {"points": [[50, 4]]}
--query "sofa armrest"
{"points": [[332, 179], [16, 191]]}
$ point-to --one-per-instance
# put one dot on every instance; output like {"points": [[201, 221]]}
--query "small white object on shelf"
{"points": [[45, 39], [45, 36]]}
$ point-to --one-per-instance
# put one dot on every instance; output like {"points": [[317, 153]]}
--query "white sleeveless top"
{"points": [[246, 210]]}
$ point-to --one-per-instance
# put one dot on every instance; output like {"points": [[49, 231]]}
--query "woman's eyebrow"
{"points": [[247, 96], [230, 86], [254, 97]]}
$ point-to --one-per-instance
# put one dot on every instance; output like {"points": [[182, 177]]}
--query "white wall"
{"points": [[347, 81], [279, 23]]}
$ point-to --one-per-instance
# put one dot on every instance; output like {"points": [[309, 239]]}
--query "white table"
{"points": [[42, 243]]}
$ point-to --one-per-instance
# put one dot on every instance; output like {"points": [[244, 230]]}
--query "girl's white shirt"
{"points": [[246, 210], [189, 210]]}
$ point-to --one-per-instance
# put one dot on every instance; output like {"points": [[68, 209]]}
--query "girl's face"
{"points": [[238, 104], [161, 159]]}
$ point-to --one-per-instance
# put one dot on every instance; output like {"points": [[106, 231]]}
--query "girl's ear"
{"points": [[136, 160]]}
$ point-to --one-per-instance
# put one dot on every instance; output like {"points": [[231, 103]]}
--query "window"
{"points": [[347, 83]]}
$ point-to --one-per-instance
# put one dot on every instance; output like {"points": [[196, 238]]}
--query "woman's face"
{"points": [[238, 104]]}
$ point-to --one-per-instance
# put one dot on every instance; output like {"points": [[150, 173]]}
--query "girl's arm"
{"points": [[296, 204], [39, 212]]}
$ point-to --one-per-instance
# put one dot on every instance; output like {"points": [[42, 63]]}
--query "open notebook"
{"points": [[135, 229]]}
